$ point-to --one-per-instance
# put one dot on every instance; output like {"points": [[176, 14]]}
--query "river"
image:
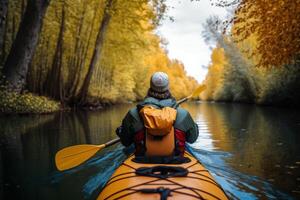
{"points": [[252, 151]]}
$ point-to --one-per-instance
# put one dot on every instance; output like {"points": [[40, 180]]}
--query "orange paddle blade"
{"points": [[73, 156], [198, 90]]}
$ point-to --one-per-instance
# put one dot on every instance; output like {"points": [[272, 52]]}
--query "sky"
{"points": [[185, 41]]}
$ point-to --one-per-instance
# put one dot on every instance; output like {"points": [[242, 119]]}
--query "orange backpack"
{"points": [[159, 137]]}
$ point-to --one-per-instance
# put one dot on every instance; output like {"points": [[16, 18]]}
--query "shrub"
{"points": [[11, 102]]}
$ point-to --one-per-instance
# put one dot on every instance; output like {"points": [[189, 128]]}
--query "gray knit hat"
{"points": [[159, 82]]}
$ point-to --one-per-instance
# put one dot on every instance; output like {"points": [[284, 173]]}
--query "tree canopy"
{"points": [[257, 55], [276, 25], [95, 51]]}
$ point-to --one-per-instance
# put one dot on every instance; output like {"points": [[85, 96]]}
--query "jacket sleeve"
{"points": [[192, 134], [130, 125], [185, 123]]}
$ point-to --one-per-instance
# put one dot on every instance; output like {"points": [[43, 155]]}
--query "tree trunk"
{"points": [[16, 65], [54, 82], [74, 60], [97, 52], [81, 63], [3, 15]]}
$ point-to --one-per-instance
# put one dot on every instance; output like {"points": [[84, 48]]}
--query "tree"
{"points": [[54, 81], [276, 25], [3, 14], [213, 79], [97, 51], [230, 76], [16, 65]]}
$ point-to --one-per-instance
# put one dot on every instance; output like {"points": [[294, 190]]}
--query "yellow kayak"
{"points": [[139, 181]]}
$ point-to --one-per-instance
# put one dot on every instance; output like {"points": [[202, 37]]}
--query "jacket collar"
{"points": [[159, 103]]}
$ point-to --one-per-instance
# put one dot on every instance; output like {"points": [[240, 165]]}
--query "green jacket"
{"points": [[132, 122]]}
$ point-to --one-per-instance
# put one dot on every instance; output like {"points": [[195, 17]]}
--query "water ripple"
{"points": [[237, 185]]}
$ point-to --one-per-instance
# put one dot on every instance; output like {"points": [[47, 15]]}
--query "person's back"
{"points": [[156, 126]]}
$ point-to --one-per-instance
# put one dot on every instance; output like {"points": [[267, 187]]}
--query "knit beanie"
{"points": [[159, 82]]}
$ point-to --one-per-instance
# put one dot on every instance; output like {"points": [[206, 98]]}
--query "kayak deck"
{"points": [[197, 184]]}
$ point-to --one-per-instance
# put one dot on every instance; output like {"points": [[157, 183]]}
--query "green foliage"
{"points": [[238, 82], [26, 103], [280, 86]]}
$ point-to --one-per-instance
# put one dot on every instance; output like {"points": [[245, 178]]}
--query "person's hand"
{"points": [[119, 131]]}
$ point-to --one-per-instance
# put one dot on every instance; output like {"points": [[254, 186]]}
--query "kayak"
{"points": [[135, 181]]}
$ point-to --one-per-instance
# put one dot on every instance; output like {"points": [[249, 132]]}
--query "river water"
{"points": [[253, 152]]}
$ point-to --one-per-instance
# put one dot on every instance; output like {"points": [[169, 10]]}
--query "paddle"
{"points": [[195, 94], [73, 156]]}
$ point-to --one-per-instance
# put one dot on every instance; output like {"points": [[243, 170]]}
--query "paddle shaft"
{"points": [[182, 101], [112, 142], [75, 155]]}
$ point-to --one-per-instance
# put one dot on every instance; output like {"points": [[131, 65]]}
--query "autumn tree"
{"points": [[16, 65], [213, 79], [94, 52], [3, 14], [97, 51], [11, 21], [230, 75], [54, 80], [128, 10], [276, 24], [239, 78]]}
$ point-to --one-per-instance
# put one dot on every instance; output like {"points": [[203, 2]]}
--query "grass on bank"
{"points": [[11, 102]]}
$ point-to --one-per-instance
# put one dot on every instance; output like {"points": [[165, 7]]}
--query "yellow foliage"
{"points": [[131, 50], [213, 80], [276, 26], [11, 102]]}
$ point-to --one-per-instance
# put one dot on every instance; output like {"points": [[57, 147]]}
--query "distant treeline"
{"points": [[85, 51], [257, 56]]}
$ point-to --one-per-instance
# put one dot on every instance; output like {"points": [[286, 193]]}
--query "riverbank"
{"points": [[270, 103], [28, 103]]}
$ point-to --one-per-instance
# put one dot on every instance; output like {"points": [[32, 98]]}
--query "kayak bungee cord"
{"points": [[162, 188]]}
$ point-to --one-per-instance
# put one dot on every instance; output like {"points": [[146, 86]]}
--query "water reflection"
{"points": [[262, 141], [252, 151], [29, 143]]}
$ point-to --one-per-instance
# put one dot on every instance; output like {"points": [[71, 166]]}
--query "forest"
{"points": [[58, 54], [257, 54], [78, 53]]}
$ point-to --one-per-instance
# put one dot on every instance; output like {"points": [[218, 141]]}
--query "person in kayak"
{"points": [[157, 127]]}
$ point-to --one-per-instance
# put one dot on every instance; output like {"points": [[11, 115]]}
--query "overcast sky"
{"points": [[184, 34]]}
